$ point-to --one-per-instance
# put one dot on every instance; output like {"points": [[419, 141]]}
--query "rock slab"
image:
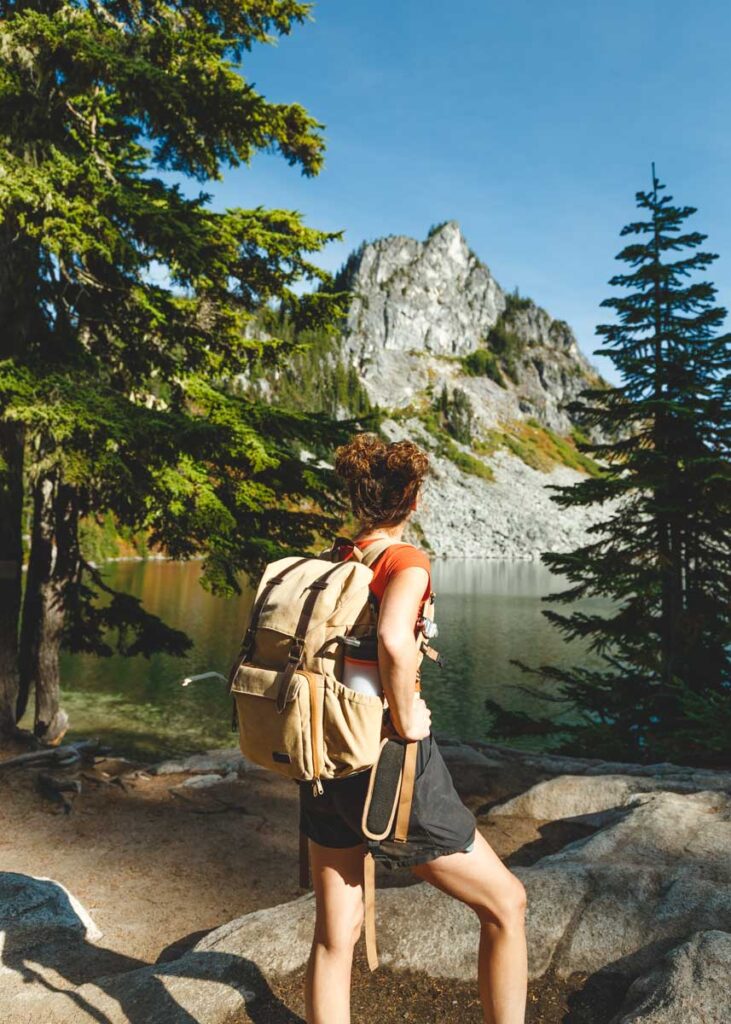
{"points": [[645, 899], [691, 985]]}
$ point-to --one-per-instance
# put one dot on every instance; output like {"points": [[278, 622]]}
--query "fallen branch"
{"points": [[56, 757]]}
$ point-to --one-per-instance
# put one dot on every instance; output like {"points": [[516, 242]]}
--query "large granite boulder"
{"points": [[645, 900], [52, 971], [654, 876], [517, 773], [35, 911], [649, 879], [569, 796], [691, 985]]}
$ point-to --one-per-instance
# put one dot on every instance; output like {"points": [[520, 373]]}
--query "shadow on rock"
{"points": [[53, 972]]}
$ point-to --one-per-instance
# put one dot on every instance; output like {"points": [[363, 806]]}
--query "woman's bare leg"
{"points": [[481, 880], [337, 878]]}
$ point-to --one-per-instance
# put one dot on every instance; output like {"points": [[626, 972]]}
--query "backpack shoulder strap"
{"points": [[365, 555], [370, 554]]}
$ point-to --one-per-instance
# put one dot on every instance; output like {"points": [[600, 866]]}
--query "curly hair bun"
{"points": [[361, 457], [407, 460], [383, 478]]}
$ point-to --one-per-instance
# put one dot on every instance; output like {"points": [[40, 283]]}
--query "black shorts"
{"points": [[439, 823]]}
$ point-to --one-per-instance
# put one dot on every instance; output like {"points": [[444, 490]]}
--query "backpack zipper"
{"points": [[317, 789]]}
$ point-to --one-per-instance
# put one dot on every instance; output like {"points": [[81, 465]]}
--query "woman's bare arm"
{"points": [[397, 653]]}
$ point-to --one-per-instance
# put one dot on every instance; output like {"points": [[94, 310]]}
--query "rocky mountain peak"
{"points": [[430, 312], [433, 296]]}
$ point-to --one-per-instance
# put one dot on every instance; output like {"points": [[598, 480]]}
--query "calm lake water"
{"points": [[488, 613]]}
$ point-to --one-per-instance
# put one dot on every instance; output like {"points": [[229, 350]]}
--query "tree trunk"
{"points": [[52, 569], [11, 559], [16, 318]]}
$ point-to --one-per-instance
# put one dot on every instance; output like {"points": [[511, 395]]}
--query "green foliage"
{"points": [[99, 540], [421, 536], [515, 302], [498, 355], [450, 419], [537, 446], [662, 554], [104, 538], [468, 463], [129, 310], [578, 436], [570, 455], [436, 228], [456, 414], [704, 724], [507, 346], [343, 280], [483, 363], [313, 377]]}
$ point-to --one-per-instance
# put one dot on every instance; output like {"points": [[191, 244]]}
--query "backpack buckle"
{"points": [[296, 650]]}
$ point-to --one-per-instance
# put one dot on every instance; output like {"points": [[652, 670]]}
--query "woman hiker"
{"points": [[447, 850]]}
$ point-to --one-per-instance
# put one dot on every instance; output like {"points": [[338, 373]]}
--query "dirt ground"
{"points": [[157, 870]]}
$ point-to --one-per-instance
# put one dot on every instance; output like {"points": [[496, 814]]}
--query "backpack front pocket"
{"points": [[282, 740]]}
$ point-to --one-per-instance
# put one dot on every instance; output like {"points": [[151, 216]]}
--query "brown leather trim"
{"points": [[406, 793], [315, 731], [369, 897], [247, 642], [298, 642]]}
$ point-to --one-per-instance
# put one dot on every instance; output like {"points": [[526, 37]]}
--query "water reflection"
{"points": [[488, 613]]}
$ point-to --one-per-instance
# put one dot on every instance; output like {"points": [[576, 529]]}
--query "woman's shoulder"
{"points": [[395, 558], [405, 556]]}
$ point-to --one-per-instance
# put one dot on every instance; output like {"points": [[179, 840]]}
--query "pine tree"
{"points": [[663, 554], [124, 315]]}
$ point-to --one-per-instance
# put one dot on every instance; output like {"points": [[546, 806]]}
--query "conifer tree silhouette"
{"points": [[662, 555]]}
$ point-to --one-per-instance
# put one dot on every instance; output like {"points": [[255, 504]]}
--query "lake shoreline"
{"points": [[489, 611]]}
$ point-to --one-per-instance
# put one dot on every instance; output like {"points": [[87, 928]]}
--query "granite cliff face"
{"points": [[478, 376], [481, 378], [434, 296], [419, 308]]}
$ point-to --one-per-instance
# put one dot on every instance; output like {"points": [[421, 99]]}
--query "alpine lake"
{"points": [[488, 612]]}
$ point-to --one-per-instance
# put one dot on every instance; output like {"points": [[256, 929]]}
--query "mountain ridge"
{"points": [[479, 377], [431, 312]]}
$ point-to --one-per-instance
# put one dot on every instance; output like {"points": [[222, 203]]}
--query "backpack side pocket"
{"points": [[351, 729]]}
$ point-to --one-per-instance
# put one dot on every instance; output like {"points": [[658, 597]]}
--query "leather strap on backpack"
{"points": [[304, 861], [297, 647], [406, 793], [369, 897], [400, 835], [248, 642]]}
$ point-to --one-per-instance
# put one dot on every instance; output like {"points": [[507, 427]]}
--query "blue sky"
{"points": [[532, 123]]}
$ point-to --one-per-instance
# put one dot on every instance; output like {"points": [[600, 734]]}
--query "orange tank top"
{"points": [[393, 560]]}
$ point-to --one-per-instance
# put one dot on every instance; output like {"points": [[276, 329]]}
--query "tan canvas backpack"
{"points": [[294, 714]]}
